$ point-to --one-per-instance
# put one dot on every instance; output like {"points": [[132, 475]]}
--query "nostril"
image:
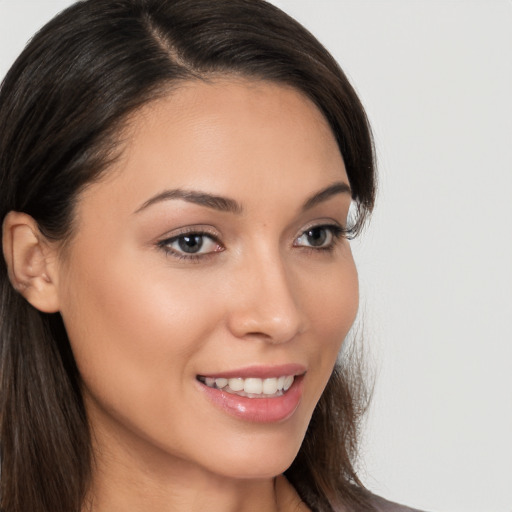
{"points": [[268, 328], [265, 306]]}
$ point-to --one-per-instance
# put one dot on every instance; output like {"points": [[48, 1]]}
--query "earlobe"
{"points": [[30, 261]]}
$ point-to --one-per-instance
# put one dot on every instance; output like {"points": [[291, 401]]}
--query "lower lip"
{"points": [[258, 410]]}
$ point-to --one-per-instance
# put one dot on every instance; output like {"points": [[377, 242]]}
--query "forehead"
{"points": [[230, 137]]}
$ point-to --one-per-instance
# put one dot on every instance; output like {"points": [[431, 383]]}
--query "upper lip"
{"points": [[259, 371]]}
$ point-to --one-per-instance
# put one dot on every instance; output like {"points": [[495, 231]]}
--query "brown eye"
{"points": [[191, 245], [319, 237]]}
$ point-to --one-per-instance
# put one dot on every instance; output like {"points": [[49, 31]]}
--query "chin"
{"points": [[257, 458]]}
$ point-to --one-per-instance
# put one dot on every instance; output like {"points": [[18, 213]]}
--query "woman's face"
{"points": [[210, 259]]}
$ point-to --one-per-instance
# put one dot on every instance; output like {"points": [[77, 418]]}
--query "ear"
{"points": [[31, 261]]}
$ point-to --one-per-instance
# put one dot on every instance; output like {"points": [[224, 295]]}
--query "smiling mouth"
{"points": [[251, 387]]}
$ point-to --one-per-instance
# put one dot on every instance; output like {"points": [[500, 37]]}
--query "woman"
{"points": [[176, 179]]}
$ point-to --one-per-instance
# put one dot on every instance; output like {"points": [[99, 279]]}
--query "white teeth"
{"points": [[288, 381], [270, 386], [221, 383], [236, 384], [252, 387]]}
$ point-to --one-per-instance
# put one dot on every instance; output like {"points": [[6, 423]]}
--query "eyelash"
{"points": [[165, 245], [335, 230]]}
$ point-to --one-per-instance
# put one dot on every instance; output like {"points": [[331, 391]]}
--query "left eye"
{"points": [[191, 243], [320, 237]]}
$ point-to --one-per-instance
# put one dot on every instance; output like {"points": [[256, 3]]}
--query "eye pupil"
{"points": [[317, 236], [190, 244]]}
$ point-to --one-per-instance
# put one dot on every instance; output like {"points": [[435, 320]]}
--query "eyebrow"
{"points": [[219, 203], [225, 204], [340, 187]]}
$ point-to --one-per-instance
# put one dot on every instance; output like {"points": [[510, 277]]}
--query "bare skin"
{"points": [[118, 488], [213, 246]]}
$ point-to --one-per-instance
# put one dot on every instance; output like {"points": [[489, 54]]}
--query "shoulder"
{"points": [[383, 505]]}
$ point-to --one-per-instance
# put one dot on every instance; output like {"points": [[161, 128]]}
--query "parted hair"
{"points": [[63, 105]]}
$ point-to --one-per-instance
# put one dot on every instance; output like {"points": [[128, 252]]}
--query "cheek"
{"points": [[133, 333], [333, 301], [331, 304]]}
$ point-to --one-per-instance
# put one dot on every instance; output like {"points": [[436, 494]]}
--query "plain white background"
{"points": [[436, 262]]}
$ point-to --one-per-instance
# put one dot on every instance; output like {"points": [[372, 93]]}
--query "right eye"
{"points": [[191, 245]]}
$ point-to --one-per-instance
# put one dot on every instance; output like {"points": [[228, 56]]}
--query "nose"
{"points": [[265, 301]]}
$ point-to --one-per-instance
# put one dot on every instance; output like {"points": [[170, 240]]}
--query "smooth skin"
{"points": [[270, 281]]}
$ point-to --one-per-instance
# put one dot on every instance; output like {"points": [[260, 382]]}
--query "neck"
{"points": [[189, 493]]}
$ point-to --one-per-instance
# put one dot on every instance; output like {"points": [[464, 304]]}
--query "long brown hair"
{"points": [[61, 106]]}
